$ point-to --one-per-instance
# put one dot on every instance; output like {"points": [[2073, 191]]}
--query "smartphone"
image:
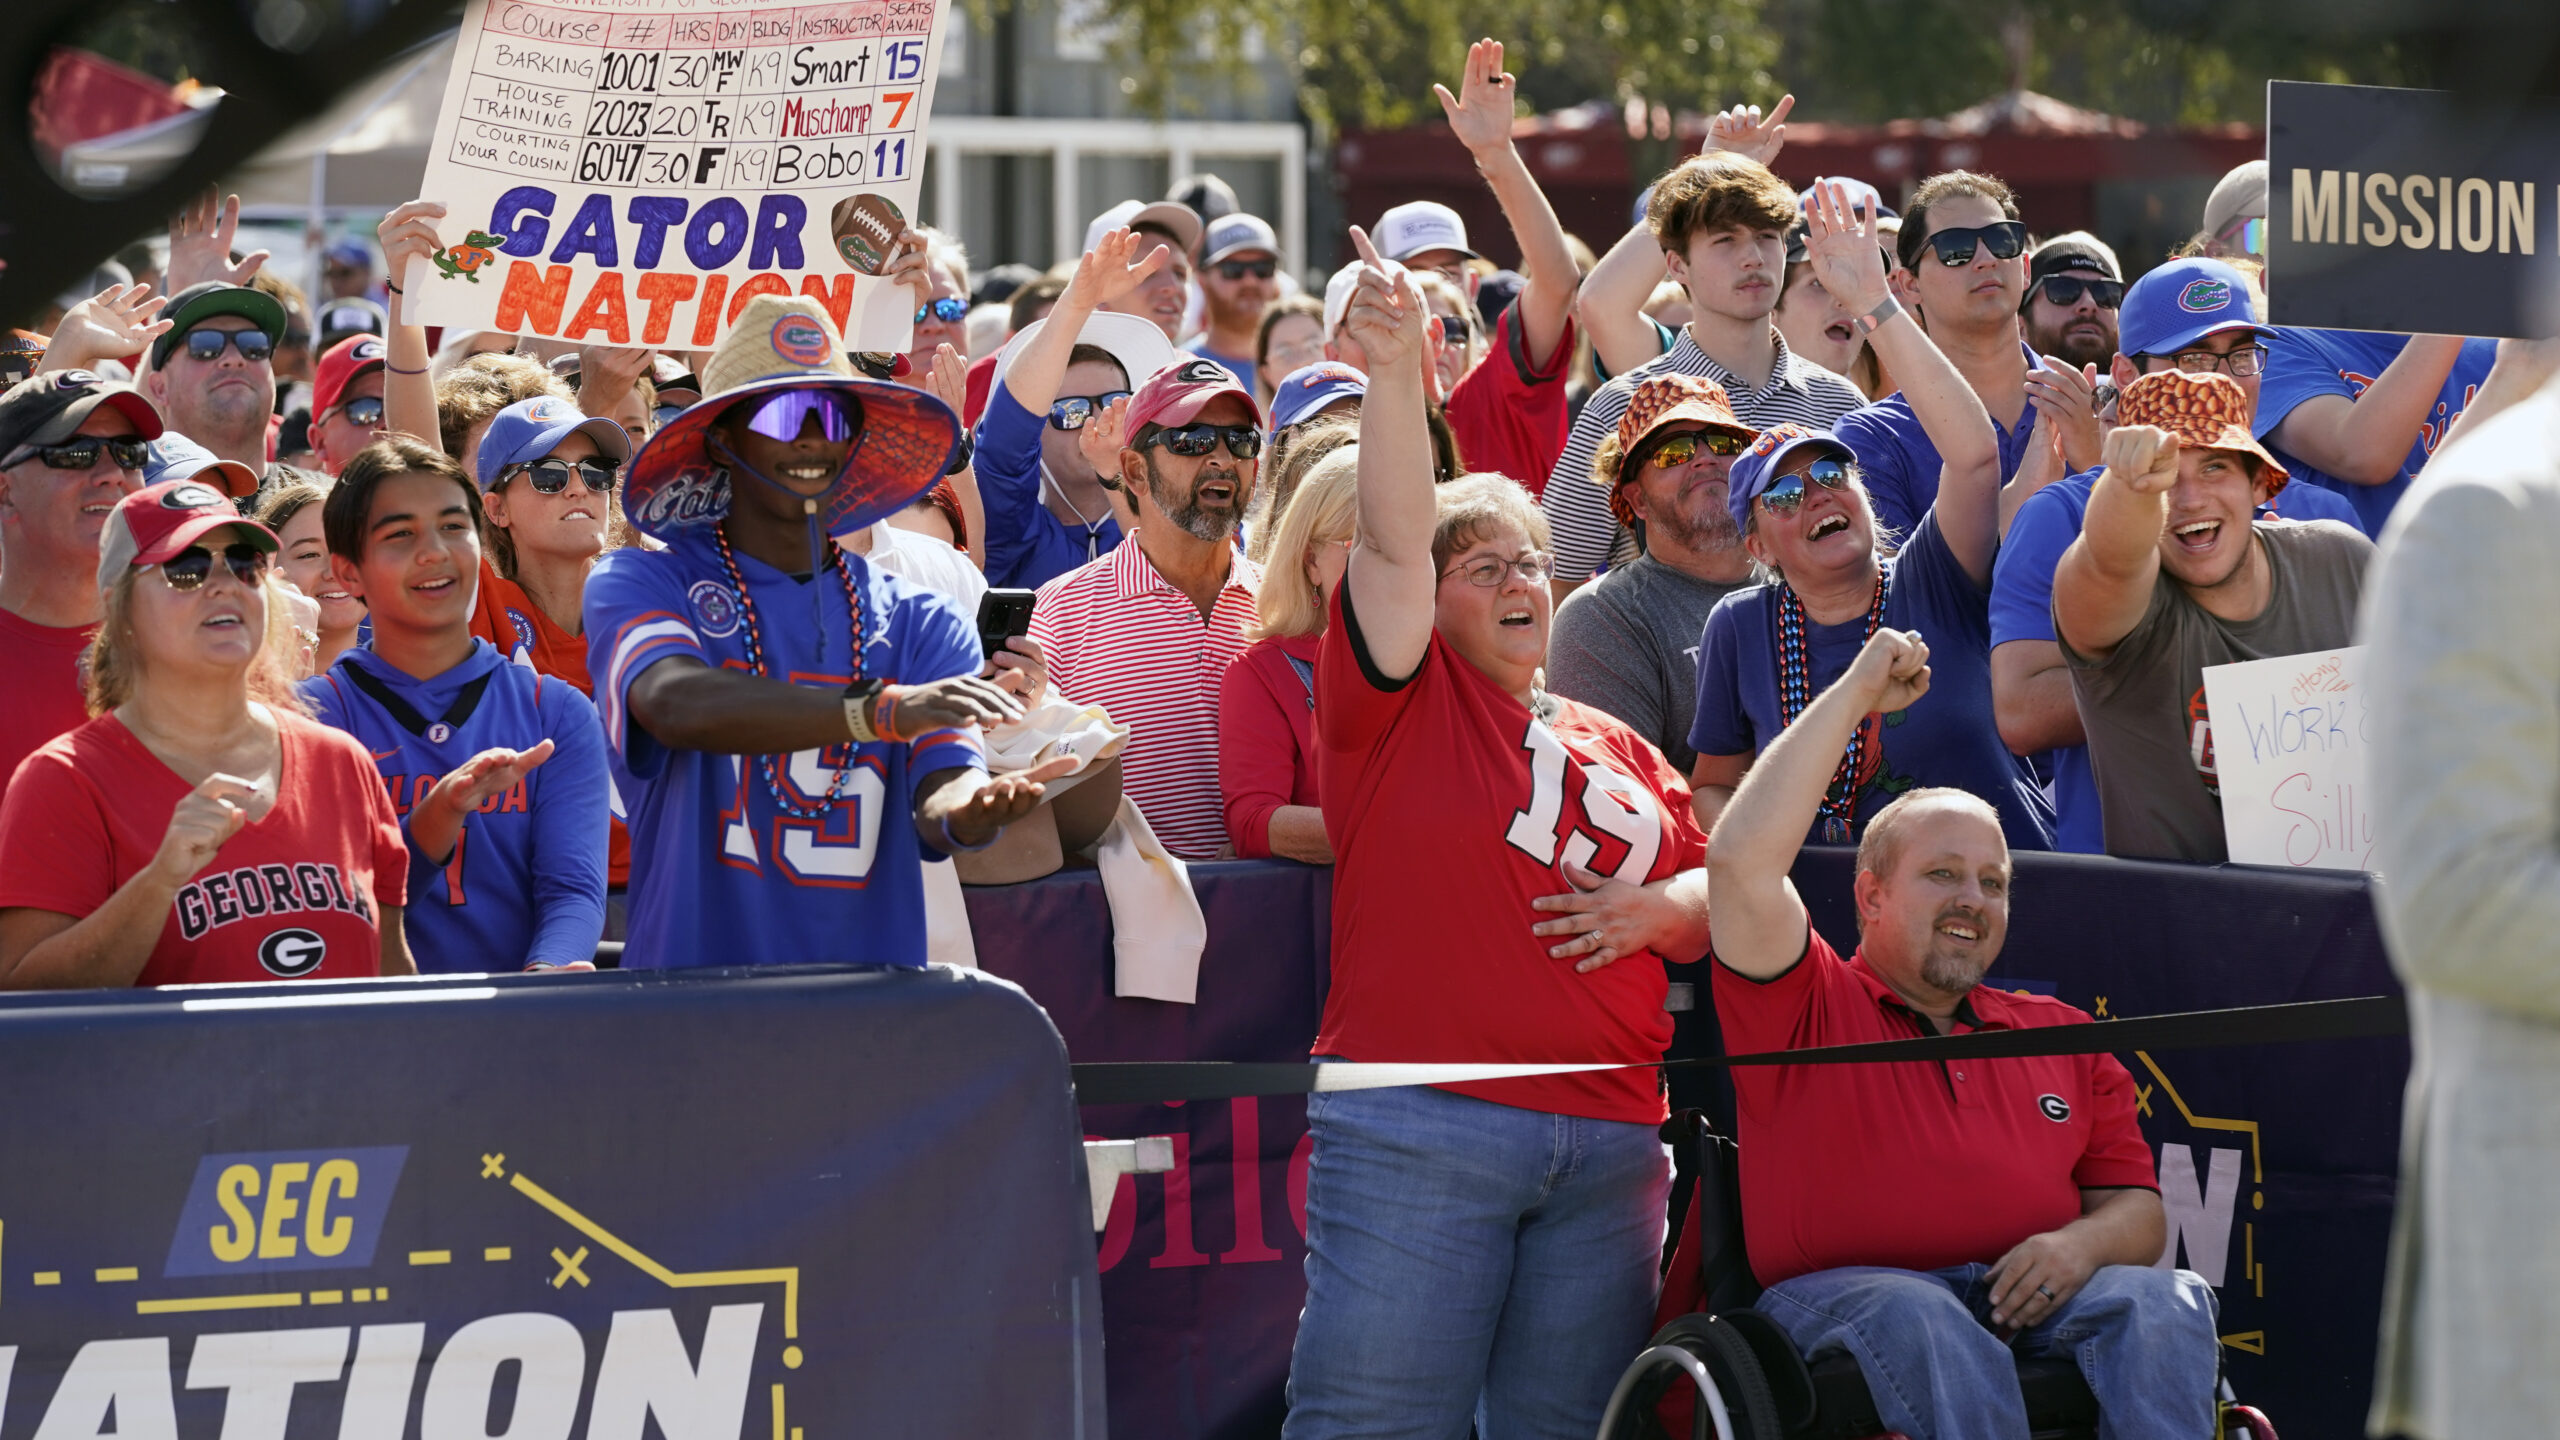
{"points": [[1003, 614]]}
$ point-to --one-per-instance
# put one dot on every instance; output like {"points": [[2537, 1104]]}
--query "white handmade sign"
{"points": [[633, 172], [2291, 746]]}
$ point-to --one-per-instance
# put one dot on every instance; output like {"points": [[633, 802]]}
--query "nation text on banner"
{"points": [[633, 172]]}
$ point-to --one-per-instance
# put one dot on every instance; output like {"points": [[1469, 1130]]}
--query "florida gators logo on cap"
{"points": [[2203, 297], [544, 408], [1777, 435], [801, 340], [191, 496]]}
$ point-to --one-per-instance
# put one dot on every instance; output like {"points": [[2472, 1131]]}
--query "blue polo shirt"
{"points": [[2303, 364], [1900, 464], [1027, 547], [1949, 738]]}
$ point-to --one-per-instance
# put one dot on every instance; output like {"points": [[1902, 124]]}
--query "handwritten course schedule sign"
{"points": [[2292, 748], [633, 172]]}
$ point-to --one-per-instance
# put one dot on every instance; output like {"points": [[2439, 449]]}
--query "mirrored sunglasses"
{"points": [[949, 311], [208, 345], [1786, 496], [2066, 290], [1074, 412], [1955, 244], [363, 412], [191, 567], [1679, 450], [785, 415], [550, 475], [1242, 441], [82, 454]]}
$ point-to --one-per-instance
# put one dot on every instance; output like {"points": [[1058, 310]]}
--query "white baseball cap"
{"points": [[1419, 225], [1135, 341], [1179, 218], [1337, 291]]}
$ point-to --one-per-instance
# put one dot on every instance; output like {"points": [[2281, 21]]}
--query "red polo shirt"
{"points": [[1919, 1164]]}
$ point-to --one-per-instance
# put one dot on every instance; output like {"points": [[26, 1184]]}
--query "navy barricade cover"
{"points": [[789, 1203], [2277, 1164]]}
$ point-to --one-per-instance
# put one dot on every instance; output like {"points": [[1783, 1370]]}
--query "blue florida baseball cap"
{"points": [[531, 429], [2180, 303], [1310, 388], [1755, 469]]}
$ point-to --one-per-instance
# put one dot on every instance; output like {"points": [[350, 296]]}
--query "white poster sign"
{"points": [[632, 172], [2291, 745]]}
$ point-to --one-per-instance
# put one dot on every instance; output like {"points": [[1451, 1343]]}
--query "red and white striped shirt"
{"points": [[1120, 636]]}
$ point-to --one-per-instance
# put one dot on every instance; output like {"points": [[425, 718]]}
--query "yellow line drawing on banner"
{"points": [[498, 1252], [48, 1277], [2249, 1266], [2253, 1341], [788, 1277], [199, 1303], [328, 1297], [430, 1257], [109, 1273]]}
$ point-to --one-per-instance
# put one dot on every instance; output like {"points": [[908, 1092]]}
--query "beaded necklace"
{"points": [[767, 766], [1795, 692]]}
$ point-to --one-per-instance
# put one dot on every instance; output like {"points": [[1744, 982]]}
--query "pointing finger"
{"points": [[1367, 252]]}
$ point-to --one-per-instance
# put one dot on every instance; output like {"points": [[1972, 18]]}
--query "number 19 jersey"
{"points": [[720, 874], [1451, 806]]}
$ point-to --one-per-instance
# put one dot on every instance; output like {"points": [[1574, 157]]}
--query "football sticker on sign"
{"points": [[633, 172], [2292, 746]]}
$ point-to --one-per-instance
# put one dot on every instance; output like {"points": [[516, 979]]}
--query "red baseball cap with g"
{"points": [[1178, 394], [157, 522], [339, 366]]}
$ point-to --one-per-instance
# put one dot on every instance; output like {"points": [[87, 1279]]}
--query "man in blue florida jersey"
{"points": [[792, 728], [498, 773]]}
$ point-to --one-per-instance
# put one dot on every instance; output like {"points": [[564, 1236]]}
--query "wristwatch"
{"points": [[1868, 322], [857, 708], [961, 457]]}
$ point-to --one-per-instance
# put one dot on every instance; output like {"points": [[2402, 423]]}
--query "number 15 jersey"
{"points": [[1451, 806]]}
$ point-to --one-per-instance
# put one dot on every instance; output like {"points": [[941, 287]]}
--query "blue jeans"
{"points": [[2143, 1338], [1471, 1261]]}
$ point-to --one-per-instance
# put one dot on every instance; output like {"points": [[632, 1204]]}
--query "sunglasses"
{"points": [[190, 568], [208, 345], [82, 454], [2066, 290], [363, 412], [2249, 235], [1487, 571], [1955, 245], [550, 476], [1243, 441], [785, 415], [1074, 412], [1238, 269], [1679, 450], [949, 311], [1786, 496]]}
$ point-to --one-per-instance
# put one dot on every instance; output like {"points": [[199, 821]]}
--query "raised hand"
{"points": [[1386, 315], [409, 233], [2069, 398], [204, 819], [948, 380], [907, 256], [2144, 458], [117, 321], [606, 373], [1892, 671], [484, 776], [1841, 242], [1480, 113], [1741, 131], [1100, 439], [1105, 273], [200, 244]]}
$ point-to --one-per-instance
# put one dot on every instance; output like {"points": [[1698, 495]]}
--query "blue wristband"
{"points": [[952, 844]]}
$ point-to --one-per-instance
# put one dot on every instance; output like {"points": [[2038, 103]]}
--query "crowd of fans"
{"points": [[337, 648]]}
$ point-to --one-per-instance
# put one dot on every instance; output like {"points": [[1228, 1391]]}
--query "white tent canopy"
{"points": [[367, 151]]}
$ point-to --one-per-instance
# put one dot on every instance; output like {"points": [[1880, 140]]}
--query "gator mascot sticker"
{"points": [[465, 259]]}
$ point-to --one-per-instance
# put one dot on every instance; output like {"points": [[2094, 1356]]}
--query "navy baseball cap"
{"points": [[1310, 388], [531, 429], [1755, 469], [2182, 302]]}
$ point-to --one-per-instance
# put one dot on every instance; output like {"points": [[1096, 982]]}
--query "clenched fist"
{"points": [[2143, 457]]}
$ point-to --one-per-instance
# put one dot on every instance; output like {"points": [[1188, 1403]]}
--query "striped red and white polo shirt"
{"points": [[1120, 636]]}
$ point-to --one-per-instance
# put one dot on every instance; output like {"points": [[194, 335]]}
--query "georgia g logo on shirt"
{"points": [[292, 953], [2055, 1108]]}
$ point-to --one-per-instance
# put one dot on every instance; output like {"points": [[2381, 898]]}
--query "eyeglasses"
{"points": [[1243, 441], [82, 454], [785, 415], [2065, 290], [1955, 244], [1074, 412], [2242, 363], [550, 475], [190, 568], [363, 412], [207, 345], [1679, 450], [2251, 236], [950, 311], [1487, 571], [1238, 269], [1786, 495]]}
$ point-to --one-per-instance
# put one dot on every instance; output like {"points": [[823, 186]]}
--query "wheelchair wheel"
{"points": [[1726, 1394]]}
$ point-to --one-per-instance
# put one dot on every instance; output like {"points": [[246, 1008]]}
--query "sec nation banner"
{"points": [[769, 1206], [632, 172], [2413, 211]]}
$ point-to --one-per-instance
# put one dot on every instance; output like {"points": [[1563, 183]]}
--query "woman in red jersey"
{"points": [[200, 827], [1484, 1249]]}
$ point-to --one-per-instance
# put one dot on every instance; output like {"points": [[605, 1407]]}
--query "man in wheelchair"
{"points": [[1934, 1220]]}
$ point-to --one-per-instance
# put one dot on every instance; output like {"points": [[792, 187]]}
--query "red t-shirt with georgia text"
{"points": [[295, 895], [43, 666], [1451, 807]]}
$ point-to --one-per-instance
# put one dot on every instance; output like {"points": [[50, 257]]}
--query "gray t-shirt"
{"points": [[1628, 644], [2143, 705]]}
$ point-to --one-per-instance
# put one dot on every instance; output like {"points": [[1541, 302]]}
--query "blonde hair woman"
{"points": [[1266, 704], [293, 513], [200, 827]]}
